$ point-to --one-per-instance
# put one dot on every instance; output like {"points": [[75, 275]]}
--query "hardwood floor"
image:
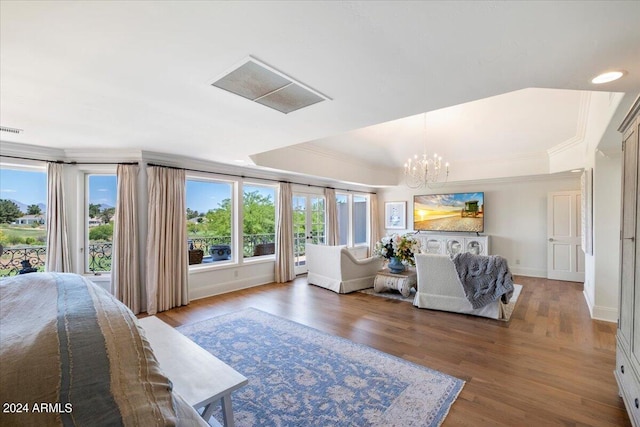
{"points": [[550, 365]]}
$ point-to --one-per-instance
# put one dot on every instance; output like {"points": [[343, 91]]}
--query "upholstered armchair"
{"points": [[439, 288], [335, 268]]}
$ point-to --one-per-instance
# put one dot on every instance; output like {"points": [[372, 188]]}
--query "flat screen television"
{"points": [[449, 212]]}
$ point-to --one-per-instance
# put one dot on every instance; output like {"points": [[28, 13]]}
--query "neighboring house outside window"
{"points": [[23, 197], [100, 208]]}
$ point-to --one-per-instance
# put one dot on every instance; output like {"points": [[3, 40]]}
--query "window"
{"points": [[258, 220], [359, 220], [209, 221], [342, 202], [23, 197], [101, 190], [353, 219]]}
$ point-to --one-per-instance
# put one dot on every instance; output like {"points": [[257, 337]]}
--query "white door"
{"points": [[565, 259], [308, 226]]}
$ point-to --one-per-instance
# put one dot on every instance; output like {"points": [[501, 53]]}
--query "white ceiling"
{"points": [[83, 75]]}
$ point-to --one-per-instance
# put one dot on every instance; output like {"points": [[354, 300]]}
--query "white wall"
{"points": [[515, 215]]}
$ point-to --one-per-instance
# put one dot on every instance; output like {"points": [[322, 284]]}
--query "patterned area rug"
{"points": [[508, 309], [299, 376]]}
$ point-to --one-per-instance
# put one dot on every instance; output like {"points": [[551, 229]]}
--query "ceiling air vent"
{"points": [[260, 83], [11, 130]]}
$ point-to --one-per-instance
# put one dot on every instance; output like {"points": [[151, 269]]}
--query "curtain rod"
{"points": [[264, 179], [69, 162]]}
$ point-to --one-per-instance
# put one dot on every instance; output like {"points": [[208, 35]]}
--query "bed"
{"points": [[71, 354]]}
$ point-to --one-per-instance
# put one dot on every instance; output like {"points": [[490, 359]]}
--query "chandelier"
{"points": [[425, 170]]}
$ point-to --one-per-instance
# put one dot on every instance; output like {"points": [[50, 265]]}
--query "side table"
{"points": [[401, 282]]}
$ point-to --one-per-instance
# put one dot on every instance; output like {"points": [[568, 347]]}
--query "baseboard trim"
{"points": [[606, 314], [530, 272], [226, 287]]}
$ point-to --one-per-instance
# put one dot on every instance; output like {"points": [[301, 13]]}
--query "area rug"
{"points": [[299, 376], [508, 309]]}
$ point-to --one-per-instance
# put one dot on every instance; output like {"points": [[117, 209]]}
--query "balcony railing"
{"points": [[100, 253]]}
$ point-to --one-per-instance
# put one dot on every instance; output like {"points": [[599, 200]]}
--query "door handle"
{"points": [[629, 238], [551, 239]]}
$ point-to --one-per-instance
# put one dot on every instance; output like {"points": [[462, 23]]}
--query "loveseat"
{"points": [[439, 288], [336, 269]]}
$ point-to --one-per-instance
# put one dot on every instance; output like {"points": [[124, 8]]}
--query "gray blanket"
{"points": [[484, 278]]}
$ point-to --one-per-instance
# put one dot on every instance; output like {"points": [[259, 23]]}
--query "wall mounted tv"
{"points": [[449, 212]]}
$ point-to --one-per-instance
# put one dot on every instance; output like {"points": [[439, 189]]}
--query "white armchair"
{"points": [[439, 288], [335, 268]]}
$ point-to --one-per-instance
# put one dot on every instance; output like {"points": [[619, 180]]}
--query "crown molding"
{"points": [[635, 108], [581, 126], [107, 155], [37, 152]]}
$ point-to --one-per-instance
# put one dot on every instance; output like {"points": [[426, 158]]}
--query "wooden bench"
{"points": [[199, 377]]}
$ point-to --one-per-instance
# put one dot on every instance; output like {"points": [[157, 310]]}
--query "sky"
{"points": [[27, 187], [30, 187], [205, 195]]}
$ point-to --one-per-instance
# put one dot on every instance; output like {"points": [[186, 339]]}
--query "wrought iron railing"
{"points": [[11, 259], [249, 245], [100, 253]]}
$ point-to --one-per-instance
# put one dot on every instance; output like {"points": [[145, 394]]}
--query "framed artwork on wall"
{"points": [[395, 215]]}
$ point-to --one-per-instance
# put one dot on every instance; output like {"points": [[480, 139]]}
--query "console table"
{"points": [[401, 282]]}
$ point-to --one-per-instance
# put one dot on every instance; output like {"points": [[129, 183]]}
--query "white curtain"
{"points": [[125, 265], [284, 235], [332, 217], [167, 253], [374, 233], [58, 257]]}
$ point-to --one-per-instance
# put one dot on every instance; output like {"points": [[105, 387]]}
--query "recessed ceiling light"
{"points": [[239, 161], [607, 77], [576, 170]]}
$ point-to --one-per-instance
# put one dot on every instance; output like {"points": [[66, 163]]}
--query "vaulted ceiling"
{"points": [[496, 78]]}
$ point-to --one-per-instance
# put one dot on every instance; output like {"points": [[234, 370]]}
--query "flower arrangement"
{"points": [[400, 246]]}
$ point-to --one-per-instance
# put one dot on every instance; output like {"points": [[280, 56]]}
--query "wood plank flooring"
{"points": [[550, 365]]}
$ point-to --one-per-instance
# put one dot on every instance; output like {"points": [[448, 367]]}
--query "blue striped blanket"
{"points": [[72, 355]]}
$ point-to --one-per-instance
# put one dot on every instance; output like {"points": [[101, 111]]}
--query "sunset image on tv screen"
{"points": [[449, 212]]}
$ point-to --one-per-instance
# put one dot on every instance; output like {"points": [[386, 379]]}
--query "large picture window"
{"points": [[23, 197], [209, 221], [258, 220], [101, 190]]}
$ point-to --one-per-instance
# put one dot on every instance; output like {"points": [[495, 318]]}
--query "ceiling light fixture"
{"points": [[425, 171], [607, 77]]}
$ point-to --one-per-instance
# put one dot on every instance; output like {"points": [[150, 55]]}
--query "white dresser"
{"points": [[627, 371], [451, 244]]}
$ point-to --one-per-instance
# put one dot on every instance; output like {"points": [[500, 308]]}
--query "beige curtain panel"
{"points": [[167, 256], [284, 235], [125, 265], [58, 257], [374, 233], [332, 217]]}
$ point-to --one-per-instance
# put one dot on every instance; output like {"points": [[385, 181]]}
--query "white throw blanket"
{"points": [[484, 278]]}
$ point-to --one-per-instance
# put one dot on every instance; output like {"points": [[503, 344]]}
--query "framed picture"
{"points": [[395, 215]]}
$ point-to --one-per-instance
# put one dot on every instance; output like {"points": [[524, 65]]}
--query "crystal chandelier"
{"points": [[425, 171]]}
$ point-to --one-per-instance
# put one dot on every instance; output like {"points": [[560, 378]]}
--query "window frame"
{"points": [[351, 218], [274, 187], [83, 212], [25, 165], [235, 220]]}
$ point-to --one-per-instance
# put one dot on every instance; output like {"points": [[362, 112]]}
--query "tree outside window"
{"points": [[23, 234], [210, 220]]}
